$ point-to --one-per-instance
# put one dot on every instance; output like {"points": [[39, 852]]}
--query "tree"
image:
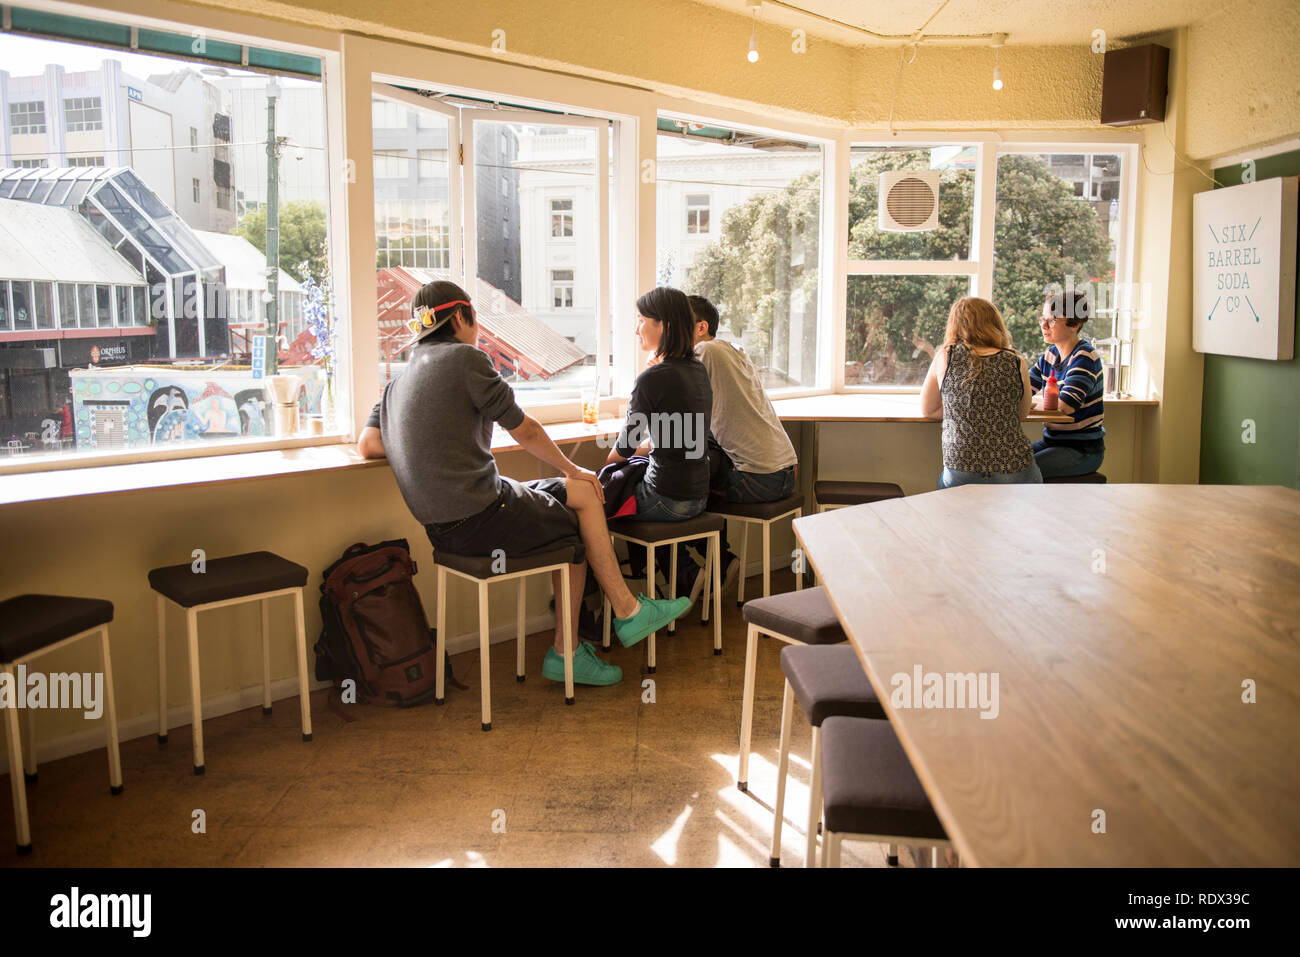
{"points": [[302, 238], [766, 254]]}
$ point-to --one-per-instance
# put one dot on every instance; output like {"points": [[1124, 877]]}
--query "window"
{"points": [[562, 218], [1056, 222], [391, 165], [32, 163], [760, 267], [697, 213], [83, 113], [141, 297], [1059, 223], [505, 270], [28, 117], [562, 288], [904, 277]]}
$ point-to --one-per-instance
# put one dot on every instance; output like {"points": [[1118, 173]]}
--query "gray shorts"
{"points": [[526, 518]]}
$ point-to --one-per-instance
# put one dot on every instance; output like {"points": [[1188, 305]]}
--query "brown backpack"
{"points": [[375, 632]]}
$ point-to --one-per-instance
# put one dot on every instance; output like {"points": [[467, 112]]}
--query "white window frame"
{"points": [[566, 217], [242, 29], [562, 286], [979, 266], [707, 207]]}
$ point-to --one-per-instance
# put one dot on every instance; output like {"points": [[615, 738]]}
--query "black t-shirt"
{"points": [[671, 403]]}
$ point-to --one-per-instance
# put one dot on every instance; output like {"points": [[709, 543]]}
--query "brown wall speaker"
{"points": [[1134, 84]]}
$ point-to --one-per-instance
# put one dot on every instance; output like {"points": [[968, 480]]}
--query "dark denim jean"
{"points": [[1056, 460]]}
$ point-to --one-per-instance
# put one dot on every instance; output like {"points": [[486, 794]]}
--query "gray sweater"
{"points": [[744, 422], [435, 420]]}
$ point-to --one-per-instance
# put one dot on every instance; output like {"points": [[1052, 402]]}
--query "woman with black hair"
{"points": [[668, 415], [1076, 447]]}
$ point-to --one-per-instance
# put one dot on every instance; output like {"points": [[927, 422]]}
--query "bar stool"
{"points": [[31, 626], [233, 580], [650, 534], [797, 618], [827, 682], [871, 791], [481, 570], [1091, 478], [830, 495], [762, 514]]}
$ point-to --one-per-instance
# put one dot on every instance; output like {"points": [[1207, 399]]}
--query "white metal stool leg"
{"points": [[162, 670], [28, 725], [767, 559], [798, 571], [485, 676], [266, 656], [17, 788], [744, 559], [708, 590], [521, 601], [672, 582], [650, 593], [782, 771], [304, 697], [713, 559], [439, 696], [196, 698], [747, 706], [814, 799], [831, 854], [567, 626], [110, 716]]}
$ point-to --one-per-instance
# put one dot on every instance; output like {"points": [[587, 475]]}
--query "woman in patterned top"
{"points": [[979, 385]]}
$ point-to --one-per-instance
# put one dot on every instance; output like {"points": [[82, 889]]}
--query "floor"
{"points": [[633, 775]]}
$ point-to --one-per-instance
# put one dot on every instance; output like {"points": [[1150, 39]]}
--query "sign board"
{"points": [[135, 94], [1244, 262], [259, 356]]}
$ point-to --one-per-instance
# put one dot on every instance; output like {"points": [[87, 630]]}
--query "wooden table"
{"points": [[1122, 621]]}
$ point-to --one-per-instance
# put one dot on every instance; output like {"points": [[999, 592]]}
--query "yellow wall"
{"points": [[1243, 78]]}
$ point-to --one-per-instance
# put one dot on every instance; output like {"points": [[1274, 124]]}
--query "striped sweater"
{"points": [[1081, 380]]}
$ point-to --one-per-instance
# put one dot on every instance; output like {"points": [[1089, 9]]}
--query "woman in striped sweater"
{"points": [[1078, 446]]}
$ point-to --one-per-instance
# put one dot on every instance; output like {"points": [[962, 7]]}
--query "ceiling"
{"points": [[1024, 21]]}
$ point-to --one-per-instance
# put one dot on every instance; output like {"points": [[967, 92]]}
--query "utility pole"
{"points": [[272, 232]]}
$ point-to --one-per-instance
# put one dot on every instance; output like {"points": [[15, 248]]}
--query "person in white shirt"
{"points": [[751, 459]]}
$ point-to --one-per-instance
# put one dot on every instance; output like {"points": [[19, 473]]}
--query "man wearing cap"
{"points": [[434, 424]]}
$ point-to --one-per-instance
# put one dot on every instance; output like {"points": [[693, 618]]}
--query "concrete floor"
{"points": [[610, 781]]}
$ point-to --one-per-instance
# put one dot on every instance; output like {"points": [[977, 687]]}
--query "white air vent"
{"points": [[909, 201]]}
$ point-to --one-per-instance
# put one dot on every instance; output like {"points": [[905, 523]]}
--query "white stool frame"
{"points": [[192, 634], [833, 839], [485, 677], [26, 759], [767, 550], [712, 585]]}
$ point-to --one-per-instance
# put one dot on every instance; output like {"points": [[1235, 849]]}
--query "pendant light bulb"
{"points": [[997, 78], [998, 41], [753, 48]]}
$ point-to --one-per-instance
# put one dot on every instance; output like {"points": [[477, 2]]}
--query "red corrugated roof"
{"points": [[508, 332]]}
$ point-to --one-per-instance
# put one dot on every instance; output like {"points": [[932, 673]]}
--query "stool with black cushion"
{"points": [[830, 495], [481, 570], [802, 617], [870, 791], [762, 514], [826, 682], [651, 534], [216, 583], [1092, 478], [32, 626]]}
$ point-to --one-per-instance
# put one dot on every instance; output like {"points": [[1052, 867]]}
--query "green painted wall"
{"points": [[1237, 389]]}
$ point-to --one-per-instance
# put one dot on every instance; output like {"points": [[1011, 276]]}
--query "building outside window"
{"points": [[28, 117], [562, 218], [196, 186], [194, 140], [697, 213], [40, 163], [83, 113], [85, 161], [562, 288]]}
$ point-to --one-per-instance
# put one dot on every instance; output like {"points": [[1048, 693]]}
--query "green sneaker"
{"points": [[655, 613], [587, 668]]}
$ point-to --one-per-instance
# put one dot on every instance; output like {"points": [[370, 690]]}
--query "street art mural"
{"points": [[141, 406]]}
